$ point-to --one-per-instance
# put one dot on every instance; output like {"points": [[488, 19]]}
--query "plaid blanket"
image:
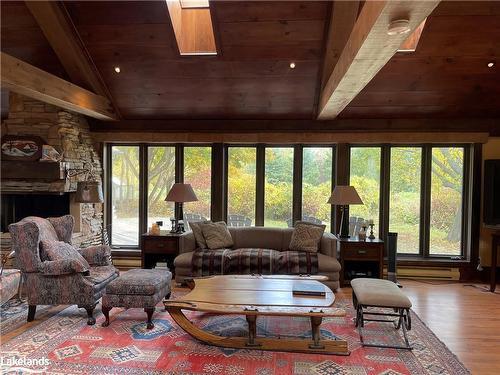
{"points": [[252, 261]]}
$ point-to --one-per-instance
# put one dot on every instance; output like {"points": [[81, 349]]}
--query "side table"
{"points": [[159, 247], [360, 259]]}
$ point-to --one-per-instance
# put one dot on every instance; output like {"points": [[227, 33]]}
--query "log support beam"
{"points": [[25, 79], [367, 50]]}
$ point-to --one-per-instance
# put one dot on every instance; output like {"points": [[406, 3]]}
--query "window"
{"points": [[198, 173], [404, 197], [124, 190], [278, 188], [447, 182], [365, 177], [241, 187], [161, 177], [317, 184]]}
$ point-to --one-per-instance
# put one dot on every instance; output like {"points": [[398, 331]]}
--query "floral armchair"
{"points": [[55, 282]]}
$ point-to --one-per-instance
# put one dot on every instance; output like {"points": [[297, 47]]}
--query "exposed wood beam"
{"points": [[62, 35], [367, 50], [296, 138], [466, 126], [342, 20], [35, 83]]}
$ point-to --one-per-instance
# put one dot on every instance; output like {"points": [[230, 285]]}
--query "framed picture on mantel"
{"points": [[22, 147]]}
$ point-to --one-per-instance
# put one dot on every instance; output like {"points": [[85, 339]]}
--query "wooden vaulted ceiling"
{"points": [[250, 78]]}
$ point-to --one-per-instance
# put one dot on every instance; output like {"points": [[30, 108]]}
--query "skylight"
{"points": [[410, 44], [193, 27], [194, 4]]}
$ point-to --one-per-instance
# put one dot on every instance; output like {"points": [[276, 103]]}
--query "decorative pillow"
{"points": [[60, 250], [198, 234], [217, 235], [306, 236]]}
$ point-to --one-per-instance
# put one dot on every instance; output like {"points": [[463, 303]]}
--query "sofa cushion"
{"points": [[139, 282], [59, 250], [259, 237], [306, 236], [216, 235], [327, 264], [198, 234]]}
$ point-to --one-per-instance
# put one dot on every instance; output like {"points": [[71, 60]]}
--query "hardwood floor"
{"points": [[463, 316]]}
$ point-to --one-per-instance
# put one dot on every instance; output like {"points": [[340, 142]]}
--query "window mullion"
{"points": [[297, 183], [143, 190], [260, 185], [385, 184], [179, 172], [425, 206]]}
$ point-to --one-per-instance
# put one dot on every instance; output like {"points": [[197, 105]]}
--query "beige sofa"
{"points": [[263, 238]]}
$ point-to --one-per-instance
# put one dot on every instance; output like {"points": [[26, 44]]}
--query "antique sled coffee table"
{"points": [[255, 296]]}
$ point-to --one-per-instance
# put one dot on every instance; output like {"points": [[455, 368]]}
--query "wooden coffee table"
{"points": [[254, 296]]}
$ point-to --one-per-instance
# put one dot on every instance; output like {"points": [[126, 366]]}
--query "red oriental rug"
{"points": [[127, 347]]}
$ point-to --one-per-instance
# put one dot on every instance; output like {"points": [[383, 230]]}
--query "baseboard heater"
{"points": [[430, 273]]}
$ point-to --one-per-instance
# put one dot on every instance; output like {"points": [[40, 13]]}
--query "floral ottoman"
{"points": [[141, 288]]}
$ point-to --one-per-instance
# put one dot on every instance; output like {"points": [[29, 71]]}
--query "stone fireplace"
{"points": [[40, 195]]}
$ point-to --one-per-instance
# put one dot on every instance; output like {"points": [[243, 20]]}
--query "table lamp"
{"points": [[343, 196], [180, 193]]}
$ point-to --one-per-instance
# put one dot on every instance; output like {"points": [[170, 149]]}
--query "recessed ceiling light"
{"points": [[292, 65], [491, 64], [117, 69], [398, 27]]}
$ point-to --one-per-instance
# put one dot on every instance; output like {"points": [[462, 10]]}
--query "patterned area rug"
{"points": [[127, 347]]}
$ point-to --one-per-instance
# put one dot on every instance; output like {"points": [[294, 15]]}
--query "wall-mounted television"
{"points": [[491, 203]]}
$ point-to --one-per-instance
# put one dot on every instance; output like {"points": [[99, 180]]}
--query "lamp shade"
{"points": [[344, 195], [181, 193], [89, 192]]}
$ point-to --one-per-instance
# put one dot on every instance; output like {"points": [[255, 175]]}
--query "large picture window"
{"points": [[421, 192], [405, 197], [241, 185], [125, 195], [446, 201], [161, 177], [365, 177], [424, 196], [198, 173], [317, 168], [278, 188]]}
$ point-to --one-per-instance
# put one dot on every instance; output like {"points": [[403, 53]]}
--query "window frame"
{"points": [[425, 195], [298, 149]]}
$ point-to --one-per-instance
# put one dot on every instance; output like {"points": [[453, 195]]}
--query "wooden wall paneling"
{"points": [[364, 128], [294, 137]]}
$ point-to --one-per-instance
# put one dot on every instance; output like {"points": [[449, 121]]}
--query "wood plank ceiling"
{"points": [[251, 78]]}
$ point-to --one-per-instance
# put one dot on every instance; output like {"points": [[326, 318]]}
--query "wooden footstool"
{"points": [[137, 288], [381, 294]]}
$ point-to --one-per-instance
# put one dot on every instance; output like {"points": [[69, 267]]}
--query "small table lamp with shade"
{"points": [[180, 193], [343, 196]]}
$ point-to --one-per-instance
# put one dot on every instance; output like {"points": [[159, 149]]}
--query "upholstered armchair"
{"points": [[59, 282]]}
